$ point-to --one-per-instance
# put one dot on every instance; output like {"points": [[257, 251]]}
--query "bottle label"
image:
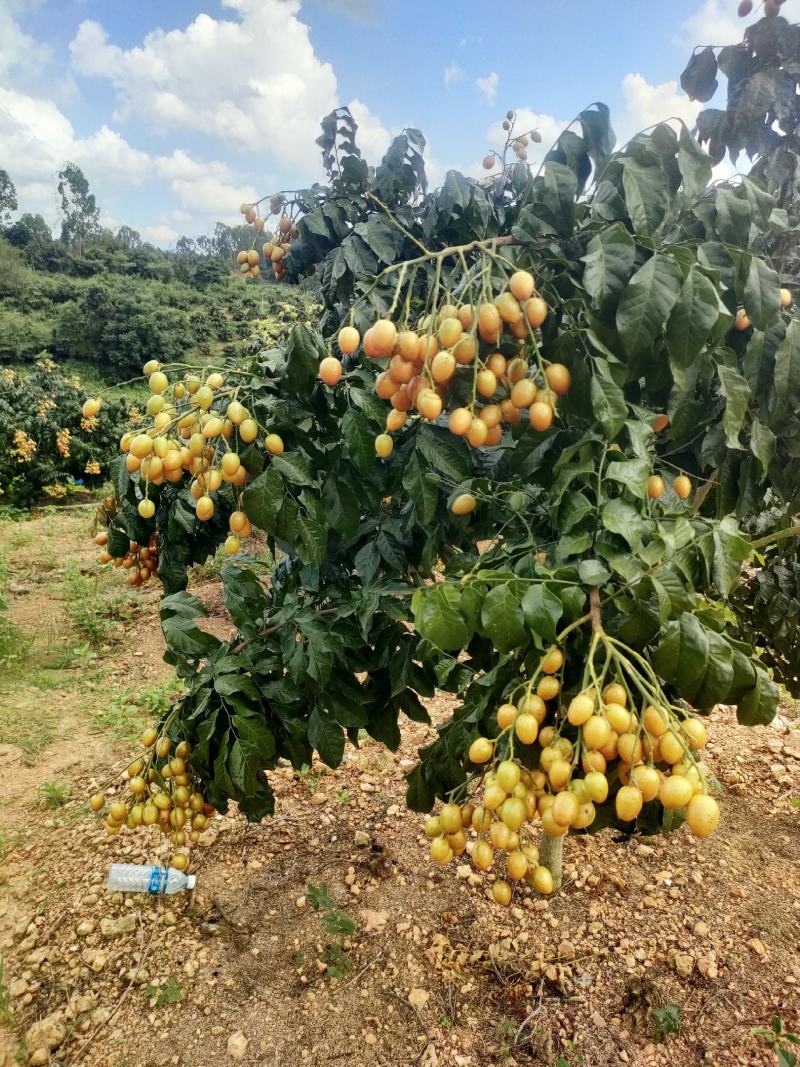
{"points": [[158, 880]]}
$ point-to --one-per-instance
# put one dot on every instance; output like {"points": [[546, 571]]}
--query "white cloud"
{"points": [[222, 77], [647, 104], [39, 139], [452, 74], [488, 86], [159, 234], [18, 51], [716, 23]]}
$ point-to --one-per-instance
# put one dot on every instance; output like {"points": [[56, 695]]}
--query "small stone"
{"points": [[683, 964], [566, 950], [757, 946], [463, 871], [418, 998], [47, 1033], [111, 929], [88, 926], [361, 838], [237, 1045], [701, 929], [300, 902]]}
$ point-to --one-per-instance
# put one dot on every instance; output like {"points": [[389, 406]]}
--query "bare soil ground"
{"points": [[644, 931]]}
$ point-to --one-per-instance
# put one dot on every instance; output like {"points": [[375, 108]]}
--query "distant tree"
{"points": [[8, 198], [186, 247], [129, 238], [79, 206], [28, 229]]}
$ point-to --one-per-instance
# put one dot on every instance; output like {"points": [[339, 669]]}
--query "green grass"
{"points": [[129, 712], [95, 604], [6, 1014], [54, 795]]}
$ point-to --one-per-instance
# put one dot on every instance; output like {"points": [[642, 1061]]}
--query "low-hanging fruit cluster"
{"points": [[479, 364], [275, 247], [159, 789], [140, 562], [196, 431], [558, 759]]}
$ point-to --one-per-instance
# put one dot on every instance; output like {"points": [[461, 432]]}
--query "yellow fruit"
{"points": [[433, 826], [580, 709], [542, 880], [521, 284], [558, 379], [232, 545], [628, 803], [647, 780], [785, 298], [655, 721], [541, 416], [204, 509], [146, 508], [509, 308], [273, 443], [90, 407], [330, 370], [158, 382], [501, 892], [506, 714], [482, 855], [97, 802], [702, 815], [449, 332], [493, 796], [676, 792], [695, 732], [450, 818], [516, 865], [670, 748], [248, 432], [535, 311], [500, 835], [596, 732], [618, 716], [596, 785], [508, 775], [149, 737], [548, 688], [441, 852], [550, 827], [463, 504], [742, 321], [481, 750], [682, 486], [384, 446], [655, 486], [526, 728], [481, 820], [478, 432], [565, 808]]}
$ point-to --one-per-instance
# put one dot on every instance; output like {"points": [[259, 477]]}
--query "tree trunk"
{"points": [[551, 853]]}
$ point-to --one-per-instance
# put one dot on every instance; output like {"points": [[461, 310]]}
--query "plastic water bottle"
{"points": [[133, 878]]}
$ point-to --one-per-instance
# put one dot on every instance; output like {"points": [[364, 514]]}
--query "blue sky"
{"points": [[177, 111]]}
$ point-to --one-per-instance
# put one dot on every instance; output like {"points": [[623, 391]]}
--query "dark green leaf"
{"points": [[647, 302]]}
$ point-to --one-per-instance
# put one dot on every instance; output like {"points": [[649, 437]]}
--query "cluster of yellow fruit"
{"points": [[649, 757], [24, 447], [454, 352], [275, 248], [141, 562], [197, 428], [161, 791], [743, 322]]}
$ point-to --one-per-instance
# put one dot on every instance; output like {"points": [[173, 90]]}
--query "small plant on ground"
{"points": [[784, 1043], [54, 794], [170, 993], [6, 1014], [667, 1020], [338, 925]]}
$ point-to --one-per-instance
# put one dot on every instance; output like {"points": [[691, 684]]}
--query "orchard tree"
{"points": [[8, 198], [510, 464], [81, 220]]}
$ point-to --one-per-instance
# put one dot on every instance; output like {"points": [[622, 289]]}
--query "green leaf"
{"points": [[293, 467], [692, 319], [303, 354], [437, 617], [609, 262], [542, 610], [608, 404], [119, 542], [787, 369], [592, 572], [695, 165], [419, 795], [445, 453], [730, 552], [326, 736], [631, 473], [761, 294], [760, 705], [646, 195], [681, 657], [699, 80], [737, 393], [763, 444], [359, 438], [623, 518], [245, 598], [559, 193], [733, 218], [502, 619], [262, 499], [422, 492], [647, 302]]}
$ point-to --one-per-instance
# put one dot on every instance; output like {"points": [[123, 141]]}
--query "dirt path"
{"points": [[647, 936]]}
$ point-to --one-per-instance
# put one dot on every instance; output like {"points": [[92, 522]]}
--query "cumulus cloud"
{"points": [[452, 74], [646, 104], [39, 139], [716, 22], [19, 52], [487, 86], [214, 76]]}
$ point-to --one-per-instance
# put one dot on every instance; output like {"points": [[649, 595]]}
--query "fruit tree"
{"points": [[510, 462]]}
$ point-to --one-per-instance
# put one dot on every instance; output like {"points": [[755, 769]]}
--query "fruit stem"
{"points": [[594, 610], [781, 535], [551, 855]]}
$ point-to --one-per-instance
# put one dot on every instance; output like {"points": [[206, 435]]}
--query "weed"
{"points": [[667, 1020], [6, 1014], [126, 714], [170, 993], [309, 777], [338, 925], [342, 796], [93, 611], [54, 794], [781, 1040], [506, 1031]]}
